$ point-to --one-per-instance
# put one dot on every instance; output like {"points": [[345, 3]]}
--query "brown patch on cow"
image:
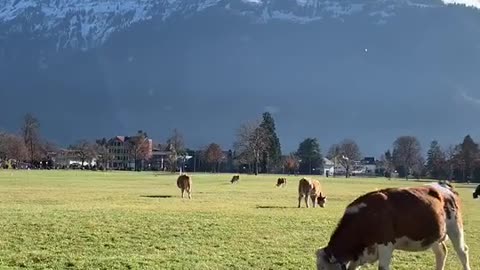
{"points": [[415, 213], [281, 182], [235, 179], [311, 188], [476, 194], [184, 183]]}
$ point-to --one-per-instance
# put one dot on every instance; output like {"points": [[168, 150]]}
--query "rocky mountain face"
{"points": [[353, 68], [89, 23]]}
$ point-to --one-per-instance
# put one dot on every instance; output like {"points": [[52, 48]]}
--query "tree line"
{"points": [[256, 150]]}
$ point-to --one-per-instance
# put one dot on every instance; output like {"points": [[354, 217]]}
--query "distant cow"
{"points": [[409, 219], [281, 182], [184, 183], [477, 192], [235, 179], [311, 188]]}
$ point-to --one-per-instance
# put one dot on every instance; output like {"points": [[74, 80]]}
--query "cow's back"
{"points": [[304, 186], [184, 181]]}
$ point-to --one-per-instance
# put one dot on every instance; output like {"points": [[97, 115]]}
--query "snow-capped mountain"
{"points": [[89, 23]]}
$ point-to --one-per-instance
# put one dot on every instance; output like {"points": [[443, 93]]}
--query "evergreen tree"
{"points": [[310, 156], [436, 161], [273, 154], [468, 152]]}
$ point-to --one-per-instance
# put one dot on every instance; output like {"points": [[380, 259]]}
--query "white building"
{"points": [[328, 167], [67, 158]]}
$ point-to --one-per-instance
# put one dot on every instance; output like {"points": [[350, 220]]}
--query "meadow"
{"points": [[121, 220]]}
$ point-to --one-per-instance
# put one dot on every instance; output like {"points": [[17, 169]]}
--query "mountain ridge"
{"points": [[90, 24]]}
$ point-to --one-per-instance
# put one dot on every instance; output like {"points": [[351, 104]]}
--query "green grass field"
{"points": [[96, 220]]}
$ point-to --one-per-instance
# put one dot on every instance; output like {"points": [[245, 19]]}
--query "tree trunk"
{"points": [[334, 166], [194, 162], [310, 165]]}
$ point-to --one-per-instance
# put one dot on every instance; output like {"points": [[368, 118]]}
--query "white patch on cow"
{"points": [[368, 256], [353, 209], [445, 190], [385, 253], [406, 244]]}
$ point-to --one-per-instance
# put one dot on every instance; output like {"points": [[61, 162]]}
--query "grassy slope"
{"points": [[85, 220]]}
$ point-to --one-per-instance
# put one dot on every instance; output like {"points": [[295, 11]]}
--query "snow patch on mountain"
{"points": [[89, 23], [468, 3]]}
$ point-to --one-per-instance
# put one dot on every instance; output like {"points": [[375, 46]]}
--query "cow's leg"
{"points": [[385, 256], [353, 266], [307, 201], [314, 200], [183, 191], [455, 233], [190, 193], [300, 197], [440, 251]]}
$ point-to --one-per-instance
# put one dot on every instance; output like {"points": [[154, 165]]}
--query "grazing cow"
{"points": [[184, 183], [281, 182], [311, 188], [235, 179], [477, 192], [409, 219]]}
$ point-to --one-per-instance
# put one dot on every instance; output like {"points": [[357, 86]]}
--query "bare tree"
{"points": [[104, 155], [176, 146], [252, 141], [387, 160], [84, 150], [451, 160], [406, 153], [214, 156], [436, 161], [334, 154], [349, 152], [31, 136], [291, 163], [12, 147], [139, 148]]}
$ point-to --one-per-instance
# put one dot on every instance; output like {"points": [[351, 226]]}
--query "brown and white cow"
{"points": [[281, 182], [235, 179], [409, 219], [184, 183], [311, 188], [476, 194]]}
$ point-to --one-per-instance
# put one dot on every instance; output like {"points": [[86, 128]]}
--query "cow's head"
{"points": [[322, 200], [476, 193], [326, 261]]}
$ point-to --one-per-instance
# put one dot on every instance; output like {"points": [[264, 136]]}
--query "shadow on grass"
{"points": [[157, 196], [272, 207]]}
